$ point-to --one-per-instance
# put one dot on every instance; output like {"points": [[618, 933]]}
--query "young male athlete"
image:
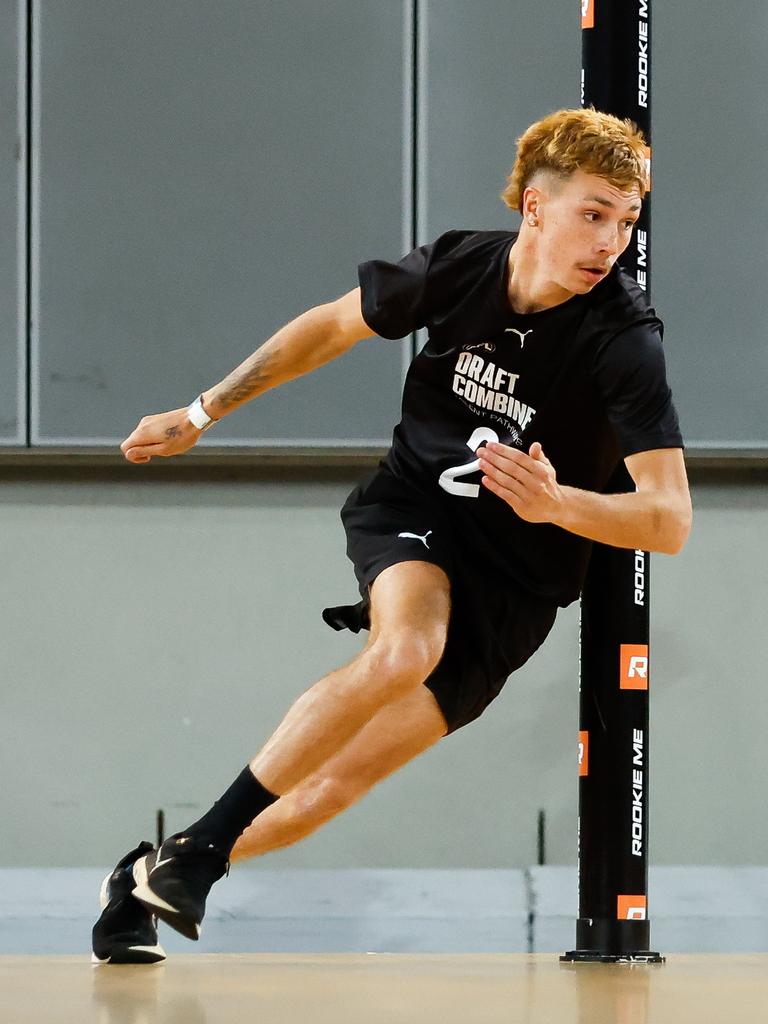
{"points": [[543, 368]]}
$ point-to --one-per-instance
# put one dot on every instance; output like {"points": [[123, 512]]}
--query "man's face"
{"points": [[585, 225]]}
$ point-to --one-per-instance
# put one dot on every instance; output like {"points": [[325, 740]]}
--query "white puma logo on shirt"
{"points": [[417, 536], [520, 334]]}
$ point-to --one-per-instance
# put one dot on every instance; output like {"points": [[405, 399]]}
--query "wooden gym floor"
{"points": [[383, 989]]}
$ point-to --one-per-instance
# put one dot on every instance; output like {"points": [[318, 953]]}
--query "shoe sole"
{"points": [[132, 955], [158, 906]]}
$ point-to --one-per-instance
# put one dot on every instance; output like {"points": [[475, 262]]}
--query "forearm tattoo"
{"points": [[246, 381]]}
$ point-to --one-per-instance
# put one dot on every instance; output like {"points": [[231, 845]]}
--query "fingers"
{"points": [[507, 488], [138, 454], [136, 449], [136, 440], [537, 452], [499, 459], [520, 479], [506, 475]]}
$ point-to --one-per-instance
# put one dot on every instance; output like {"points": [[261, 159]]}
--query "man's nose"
{"points": [[609, 241]]}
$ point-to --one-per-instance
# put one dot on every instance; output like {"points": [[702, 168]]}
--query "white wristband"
{"points": [[198, 417]]}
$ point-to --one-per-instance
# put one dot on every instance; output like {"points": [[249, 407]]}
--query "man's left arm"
{"points": [[655, 517]]}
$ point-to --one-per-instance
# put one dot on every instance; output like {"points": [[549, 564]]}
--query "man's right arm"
{"points": [[316, 337]]}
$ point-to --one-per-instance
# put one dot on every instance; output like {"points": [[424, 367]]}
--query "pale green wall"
{"points": [[155, 632]]}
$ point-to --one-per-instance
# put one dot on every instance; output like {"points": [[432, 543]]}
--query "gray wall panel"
{"points": [[12, 223], [205, 174], [710, 211], [488, 75]]}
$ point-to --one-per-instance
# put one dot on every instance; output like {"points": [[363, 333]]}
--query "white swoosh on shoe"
{"points": [[144, 894]]}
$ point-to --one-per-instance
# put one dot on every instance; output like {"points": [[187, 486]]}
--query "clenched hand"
{"points": [[164, 434], [527, 482]]}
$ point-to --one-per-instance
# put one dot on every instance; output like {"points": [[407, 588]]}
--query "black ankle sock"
{"points": [[233, 812]]}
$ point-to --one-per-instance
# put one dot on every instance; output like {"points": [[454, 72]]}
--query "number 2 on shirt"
{"points": [[448, 478]]}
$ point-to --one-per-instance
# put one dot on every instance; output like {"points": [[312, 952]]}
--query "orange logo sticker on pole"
{"points": [[633, 668], [632, 908], [587, 13], [583, 753]]}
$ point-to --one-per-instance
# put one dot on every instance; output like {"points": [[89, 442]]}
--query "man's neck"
{"points": [[526, 290]]}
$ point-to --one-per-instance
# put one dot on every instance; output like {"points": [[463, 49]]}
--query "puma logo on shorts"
{"points": [[417, 536]]}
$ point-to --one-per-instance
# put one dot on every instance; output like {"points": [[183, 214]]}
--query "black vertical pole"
{"points": [[613, 923]]}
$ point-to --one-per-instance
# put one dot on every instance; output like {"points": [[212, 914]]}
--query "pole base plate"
{"points": [[594, 956]]}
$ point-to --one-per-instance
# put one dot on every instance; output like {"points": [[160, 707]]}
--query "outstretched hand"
{"points": [[527, 482], [164, 434]]}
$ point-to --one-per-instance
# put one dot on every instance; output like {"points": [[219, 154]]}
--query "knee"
{"points": [[407, 660]]}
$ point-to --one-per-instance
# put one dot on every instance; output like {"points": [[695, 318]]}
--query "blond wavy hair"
{"points": [[579, 140]]}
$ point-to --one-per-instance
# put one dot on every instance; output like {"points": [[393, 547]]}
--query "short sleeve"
{"points": [[393, 293], [630, 374]]}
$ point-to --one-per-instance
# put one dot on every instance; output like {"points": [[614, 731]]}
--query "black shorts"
{"points": [[495, 625]]}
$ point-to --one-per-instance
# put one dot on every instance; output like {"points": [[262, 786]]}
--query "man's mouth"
{"points": [[595, 273]]}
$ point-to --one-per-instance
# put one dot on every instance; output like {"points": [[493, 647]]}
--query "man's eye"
{"points": [[591, 214]]}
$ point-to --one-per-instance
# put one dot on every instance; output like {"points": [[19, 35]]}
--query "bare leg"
{"points": [[410, 610], [395, 735]]}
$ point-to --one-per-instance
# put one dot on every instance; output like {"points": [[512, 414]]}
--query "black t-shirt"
{"points": [[586, 378]]}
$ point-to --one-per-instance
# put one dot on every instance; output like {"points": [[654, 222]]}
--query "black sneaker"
{"points": [[126, 932], [174, 881]]}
